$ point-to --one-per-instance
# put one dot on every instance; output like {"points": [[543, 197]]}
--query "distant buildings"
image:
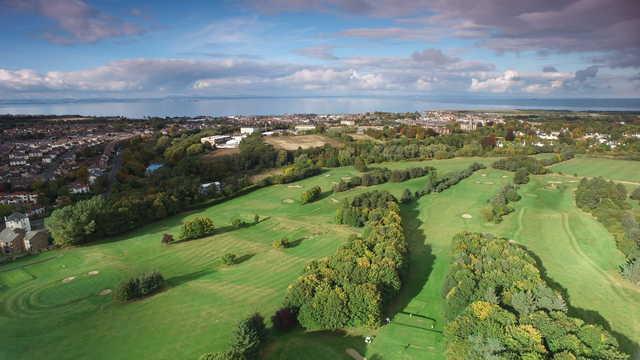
{"points": [[247, 130], [301, 128], [215, 139]]}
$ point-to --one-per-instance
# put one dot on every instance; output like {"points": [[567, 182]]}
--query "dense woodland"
{"points": [[500, 307], [351, 287]]}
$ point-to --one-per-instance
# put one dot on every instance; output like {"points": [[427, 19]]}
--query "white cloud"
{"points": [[497, 84]]}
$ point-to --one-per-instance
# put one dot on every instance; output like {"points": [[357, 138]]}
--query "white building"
{"points": [[305, 127], [347, 122], [17, 221], [247, 130], [215, 139]]}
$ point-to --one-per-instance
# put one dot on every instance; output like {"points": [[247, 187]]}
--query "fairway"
{"points": [[619, 170], [45, 298]]}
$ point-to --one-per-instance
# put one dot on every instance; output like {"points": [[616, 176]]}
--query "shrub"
{"points": [[167, 239], [311, 195], [635, 194], [197, 228], [224, 355], [140, 286], [256, 218], [285, 319], [521, 176], [229, 258], [281, 243]]}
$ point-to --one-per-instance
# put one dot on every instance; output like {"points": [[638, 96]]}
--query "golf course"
{"points": [[44, 298]]}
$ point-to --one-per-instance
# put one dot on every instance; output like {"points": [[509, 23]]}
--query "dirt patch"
{"points": [[104, 292], [93, 273], [467, 216], [302, 141], [68, 279], [354, 354]]}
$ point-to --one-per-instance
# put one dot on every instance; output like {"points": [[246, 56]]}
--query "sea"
{"points": [[221, 106]]}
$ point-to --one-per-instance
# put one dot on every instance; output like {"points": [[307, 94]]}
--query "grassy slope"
{"points": [[620, 170], [42, 317]]}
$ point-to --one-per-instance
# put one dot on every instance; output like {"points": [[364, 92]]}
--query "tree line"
{"points": [[607, 201], [380, 176], [351, 287], [499, 306], [499, 204]]}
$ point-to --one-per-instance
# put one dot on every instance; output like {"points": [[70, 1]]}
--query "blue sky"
{"points": [[542, 48]]}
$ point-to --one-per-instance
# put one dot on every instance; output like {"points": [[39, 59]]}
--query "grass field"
{"points": [[41, 316], [619, 170]]}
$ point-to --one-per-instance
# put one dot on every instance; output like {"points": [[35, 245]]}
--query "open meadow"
{"points": [[45, 298]]}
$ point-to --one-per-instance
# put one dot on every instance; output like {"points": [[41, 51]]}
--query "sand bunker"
{"points": [[335, 200], [93, 273], [488, 183], [504, 176], [554, 182], [483, 175], [105, 292], [467, 216], [68, 279], [288, 201], [345, 178], [295, 186]]}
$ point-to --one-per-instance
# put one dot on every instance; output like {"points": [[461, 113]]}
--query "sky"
{"points": [[471, 48]]}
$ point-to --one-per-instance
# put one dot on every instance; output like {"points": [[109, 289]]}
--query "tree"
{"points": [[406, 197], [281, 243], [197, 228], [237, 223], [510, 135], [167, 239], [360, 164], [285, 319], [229, 259], [521, 176], [140, 286], [248, 337], [311, 195], [256, 218], [635, 195]]}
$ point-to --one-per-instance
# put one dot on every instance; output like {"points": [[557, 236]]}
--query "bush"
{"points": [[521, 176], [256, 218], [197, 228], [167, 239], [285, 319], [140, 286], [635, 195], [281, 243], [229, 259], [311, 195]]}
